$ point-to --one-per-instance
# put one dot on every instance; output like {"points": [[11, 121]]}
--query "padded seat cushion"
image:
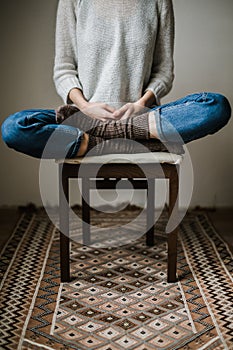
{"points": [[136, 158]]}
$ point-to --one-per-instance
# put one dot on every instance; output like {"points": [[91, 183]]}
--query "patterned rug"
{"points": [[119, 297]]}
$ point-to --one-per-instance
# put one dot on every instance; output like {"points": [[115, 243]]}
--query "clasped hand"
{"points": [[104, 112]]}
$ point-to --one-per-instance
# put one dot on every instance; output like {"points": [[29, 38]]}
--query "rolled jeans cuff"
{"points": [[161, 135], [166, 130]]}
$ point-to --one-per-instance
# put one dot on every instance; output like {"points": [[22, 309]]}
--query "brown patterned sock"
{"points": [[97, 146], [130, 128], [64, 112]]}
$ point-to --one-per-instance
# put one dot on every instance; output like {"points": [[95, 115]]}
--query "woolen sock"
{"points": [[136, 127], [98, 146], [64, 112]]}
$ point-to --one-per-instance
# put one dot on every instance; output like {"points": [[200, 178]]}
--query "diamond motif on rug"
{"points": [[119, 297]]}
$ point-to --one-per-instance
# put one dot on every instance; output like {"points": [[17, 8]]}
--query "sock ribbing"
{"points": [[131, 128]]}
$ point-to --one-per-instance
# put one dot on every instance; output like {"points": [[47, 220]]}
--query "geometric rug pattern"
{"points": [[118, 297]]}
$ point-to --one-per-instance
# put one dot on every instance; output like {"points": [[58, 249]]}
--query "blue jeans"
{"points": [[192, 117], [29, 131], [184, 120]]}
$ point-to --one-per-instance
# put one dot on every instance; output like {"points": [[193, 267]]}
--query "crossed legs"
{"points": [[176, 123], [189, 118], [153, 134]]}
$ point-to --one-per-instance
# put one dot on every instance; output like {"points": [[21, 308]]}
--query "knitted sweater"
{"points": [[114, 50]]}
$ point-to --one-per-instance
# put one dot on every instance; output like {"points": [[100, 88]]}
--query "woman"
{"points": [[112, 53]]}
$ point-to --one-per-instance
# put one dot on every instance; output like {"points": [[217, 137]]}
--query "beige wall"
{"points": [[204, 61]]}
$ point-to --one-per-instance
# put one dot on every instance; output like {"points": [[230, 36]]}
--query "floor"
{"points": [[8, 220], [222, 220]]}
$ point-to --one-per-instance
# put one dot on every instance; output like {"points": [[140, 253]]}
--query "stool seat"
{"points": [[136, 158]]}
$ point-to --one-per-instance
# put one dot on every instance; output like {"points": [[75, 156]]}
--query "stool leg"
{"points": [[172, 236], [86, 211], [64, 225], [150, 213]]}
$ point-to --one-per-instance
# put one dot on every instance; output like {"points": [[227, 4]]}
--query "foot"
{"points": [[97, 146], [83, 146], [64, 112]]}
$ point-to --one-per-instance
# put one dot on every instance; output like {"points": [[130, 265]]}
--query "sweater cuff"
{"points": [[66, 85], [158, 90]]}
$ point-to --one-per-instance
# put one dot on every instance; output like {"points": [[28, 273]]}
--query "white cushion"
{"points": [[136, 158]]}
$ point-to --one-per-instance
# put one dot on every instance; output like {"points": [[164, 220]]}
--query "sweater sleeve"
{"points": [[162, 73], [65, 66]]}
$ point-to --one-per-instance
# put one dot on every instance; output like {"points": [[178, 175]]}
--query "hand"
{"points": [[99, 110], [129, 110]]}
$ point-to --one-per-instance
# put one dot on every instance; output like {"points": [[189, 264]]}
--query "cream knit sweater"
{"points": [[114, 50]]}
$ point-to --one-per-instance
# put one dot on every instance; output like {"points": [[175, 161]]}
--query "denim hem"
{"points": [[162, 138]]}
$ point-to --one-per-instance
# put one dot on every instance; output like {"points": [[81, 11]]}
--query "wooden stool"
{"points": [[141, 170]]}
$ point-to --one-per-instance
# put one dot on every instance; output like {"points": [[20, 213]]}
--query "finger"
{"points": [[127, 115], [109, 108], [107, 115], [123, 108], [104, 120], [121, 111]]}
